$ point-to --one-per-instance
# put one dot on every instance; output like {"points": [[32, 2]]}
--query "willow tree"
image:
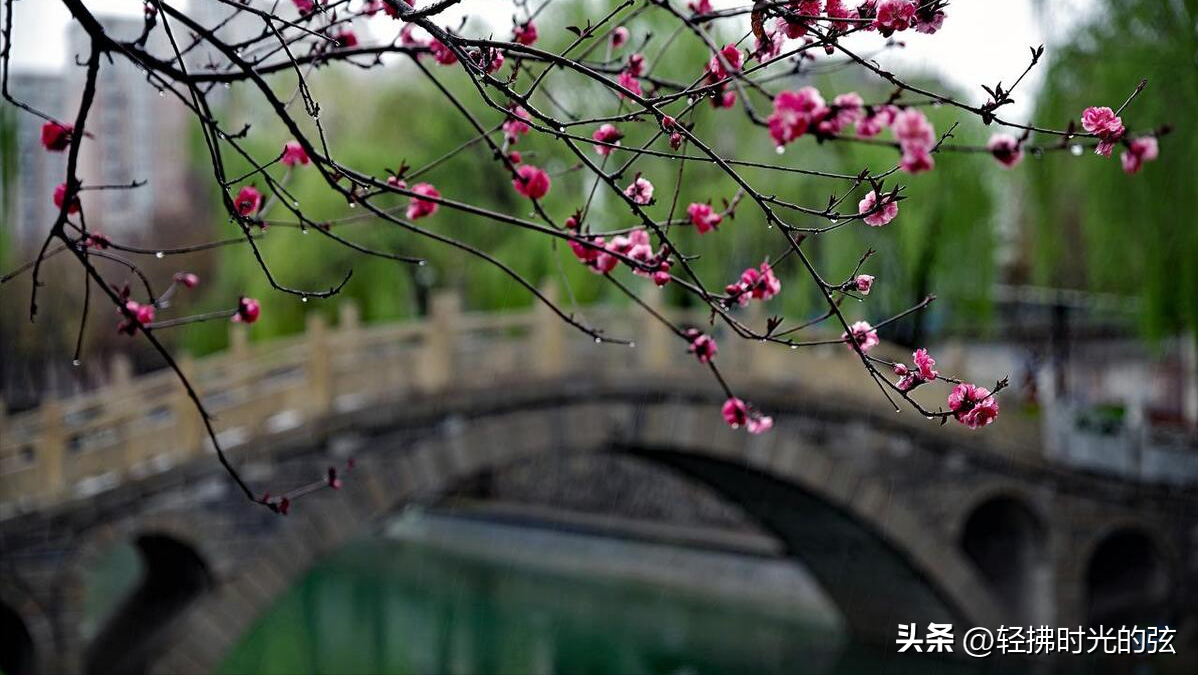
{"points": [[1090, 225]]}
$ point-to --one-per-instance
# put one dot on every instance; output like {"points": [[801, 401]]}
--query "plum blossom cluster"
{"points": [[505, 85]]}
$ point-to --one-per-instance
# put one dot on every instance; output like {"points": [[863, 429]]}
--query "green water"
{"points": [[391, 607]]}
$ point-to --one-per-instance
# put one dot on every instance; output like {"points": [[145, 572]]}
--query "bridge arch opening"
{"points": [[1008, 544], [173, 575], [1128, 581], [17, 654]]}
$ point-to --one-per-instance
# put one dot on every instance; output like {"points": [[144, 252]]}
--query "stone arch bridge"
{"points": [[898, 519]]}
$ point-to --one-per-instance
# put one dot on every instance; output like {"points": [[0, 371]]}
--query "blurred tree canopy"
{"points": [[941, 243], [1090, 225]]}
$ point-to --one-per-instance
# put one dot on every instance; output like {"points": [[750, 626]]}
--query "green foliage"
{"points": [[1092, 225]]}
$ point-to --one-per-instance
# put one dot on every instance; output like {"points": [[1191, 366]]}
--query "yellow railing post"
{"points": [[189, 426], [657, 336], [548, 336], [440, 338], [51, 448], [318, 368]]}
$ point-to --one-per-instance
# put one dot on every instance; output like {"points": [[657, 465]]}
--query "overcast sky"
{"points": [[982, 41]]}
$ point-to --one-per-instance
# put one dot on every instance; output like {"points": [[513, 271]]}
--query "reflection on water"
{"points": [[396, 607]]}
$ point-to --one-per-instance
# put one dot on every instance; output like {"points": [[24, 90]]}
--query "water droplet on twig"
{"points": [[160, 255]]}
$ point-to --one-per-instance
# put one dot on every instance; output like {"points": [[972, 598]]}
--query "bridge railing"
{"points": [[142, 425]]}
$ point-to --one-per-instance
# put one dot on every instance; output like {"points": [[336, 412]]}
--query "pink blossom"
{"points": [[1006, 149], [1139, 150], [137, 316], [516, 125], [702, 346], [419, 208], [514, 157], [407, 38], [846, 109], [305, 7], [863, 334], [662, 276], [675, 140], [187, 279], [835, 9], [293, 153], [1106, 125], [737, 414], [490, 59], [640, 191], [913, 130], [531, 181], [96, 239], [894, 15], [725, 99], [703, 217], [60, 195], [928, 19], [877, 215], [525, 33], [628, 81], [346, 39], [916, 138], [606, 133], [441, 53], [770, 47], [635, 246], [875, 120], [248, 201], [397, 182], [248, 310], [699, 6], [796, 27], [759, 283], [56, 137], [636, 64], [727, 61], [973, 406], [864, 282], [619, 37], [794, 112], [925, 365], [917, 161]]}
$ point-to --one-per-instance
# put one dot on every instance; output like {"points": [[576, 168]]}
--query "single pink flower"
{"points": [[248, 310], [441, 53], [928, 20], [515, 157], [346, 39], [516, 124], [699, 6], [1139, 150], [794, 112], [531, 181], [703, 217], [293, 153], [835, 9], [606, 133], [187, 279], [877, 215], [525, 33], [636, 64], [628, 81], [419, 208], [1006, 149], [640, 191], [60, 195], [702, 346], [397, 182], [1102, 122], [863, 334], [917, 161], [305, 7], [56, 137], [619, 37], [864, 283], [925, 365], [407, 36], [96, 239], [724, 63], [913, 131], [973, 406], [675, 140], [248, 201]]}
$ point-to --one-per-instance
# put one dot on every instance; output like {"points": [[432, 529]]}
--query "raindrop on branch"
{"points": [[160, 255]]}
